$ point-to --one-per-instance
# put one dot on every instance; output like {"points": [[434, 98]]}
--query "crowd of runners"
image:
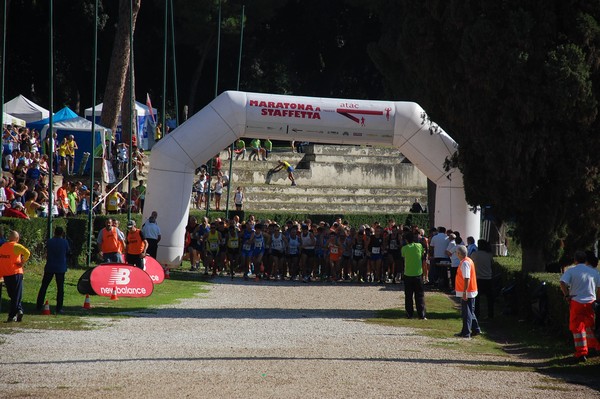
{"points": [[297, 251]]}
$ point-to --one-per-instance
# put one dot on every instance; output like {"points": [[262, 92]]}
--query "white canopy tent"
{"points": [[25, 109], [142, 114], [234, 114], [11, 120]]}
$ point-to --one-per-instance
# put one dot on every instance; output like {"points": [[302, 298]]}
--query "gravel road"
{"points": [[252, 340]]}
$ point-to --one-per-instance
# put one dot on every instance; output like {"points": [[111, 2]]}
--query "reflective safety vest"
{"points": [[135, 244], [110, 241], [12, 256], [460, 280]]}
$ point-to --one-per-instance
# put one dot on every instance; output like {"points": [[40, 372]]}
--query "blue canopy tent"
{"points": [[63, 114], [81, 129]]}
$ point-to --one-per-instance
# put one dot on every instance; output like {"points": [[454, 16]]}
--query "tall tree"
{"points": [[517, 84], [119, 69]]}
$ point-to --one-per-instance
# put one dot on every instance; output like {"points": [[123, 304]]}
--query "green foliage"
{"points": [[33, 234], [516, 84], [557, 323]]}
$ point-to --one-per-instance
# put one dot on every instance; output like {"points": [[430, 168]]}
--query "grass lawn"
{"points": [[181, 285], [502, 336]]}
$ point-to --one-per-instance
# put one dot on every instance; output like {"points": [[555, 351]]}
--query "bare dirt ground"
{"points": [[248, 340]]}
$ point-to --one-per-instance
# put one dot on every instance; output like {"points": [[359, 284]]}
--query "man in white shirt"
{"points": [[438, 245], [454, 261], [151, 232], [581, 286]]}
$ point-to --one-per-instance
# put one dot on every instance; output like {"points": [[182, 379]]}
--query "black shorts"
{"points": [[308, 252], [276, 254]]}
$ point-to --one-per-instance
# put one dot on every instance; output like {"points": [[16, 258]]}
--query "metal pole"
{"points": [[50, 127], [3, 64], [131, 110], [237, 88], [218, 51], [93, 152], [164, 92], [174, 63], [216, 93]]}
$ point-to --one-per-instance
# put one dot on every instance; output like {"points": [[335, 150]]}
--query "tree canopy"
{"points": [[516, 83]]}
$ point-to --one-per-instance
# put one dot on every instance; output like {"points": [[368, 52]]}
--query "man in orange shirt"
{"points": [[12, 257], [466, 289], [109, 240], [136, 246]]}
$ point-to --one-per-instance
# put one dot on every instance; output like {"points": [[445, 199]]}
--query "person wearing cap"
{"points": [[136, 246], [151, 231]]}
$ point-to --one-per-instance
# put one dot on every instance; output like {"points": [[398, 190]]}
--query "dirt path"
{"points": [[251, 340]]}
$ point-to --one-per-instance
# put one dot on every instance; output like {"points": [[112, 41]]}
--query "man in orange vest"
{"points": [[108, 242], [136, 246], [465, 284], [12, 257]]}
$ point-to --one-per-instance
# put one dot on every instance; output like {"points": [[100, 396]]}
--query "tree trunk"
{"points": [[533, 260], [119, 66], [431, 190], [126, 110]]}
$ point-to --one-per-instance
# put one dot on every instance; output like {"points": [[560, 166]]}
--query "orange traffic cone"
{"points": [[114, 297], [46, 311], [87, 304], [167, 273]]}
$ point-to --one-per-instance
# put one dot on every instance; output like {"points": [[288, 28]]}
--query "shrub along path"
{"points": [[268, 339]]}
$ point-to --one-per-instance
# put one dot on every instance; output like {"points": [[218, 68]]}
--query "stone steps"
{"points": [[331, 179]]}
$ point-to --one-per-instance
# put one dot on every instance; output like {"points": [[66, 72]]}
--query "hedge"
{"points": [[555, 309], [33, 234]]}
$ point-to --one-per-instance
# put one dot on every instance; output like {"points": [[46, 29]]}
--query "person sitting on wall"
{"points": [[416, 207]]}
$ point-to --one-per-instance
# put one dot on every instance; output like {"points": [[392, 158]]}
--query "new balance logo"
{"points": [[119, 276]]}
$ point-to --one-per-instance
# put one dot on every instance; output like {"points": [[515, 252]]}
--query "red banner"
{"points": [[129, 281], [154, 270]]}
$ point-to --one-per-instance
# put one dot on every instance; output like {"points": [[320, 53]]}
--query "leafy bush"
{"points": [[556, 319], [33, 234]]}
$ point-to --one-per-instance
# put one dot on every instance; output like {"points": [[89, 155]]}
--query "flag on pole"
{"points": [[149, 105]]}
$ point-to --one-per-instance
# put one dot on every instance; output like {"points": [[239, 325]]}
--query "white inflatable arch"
{"points": [[235, 114]]}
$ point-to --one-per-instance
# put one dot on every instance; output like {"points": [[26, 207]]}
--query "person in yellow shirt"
{"points": [[12, 257], [285, 165], [70, 154], [62, 156], [114, 201]]}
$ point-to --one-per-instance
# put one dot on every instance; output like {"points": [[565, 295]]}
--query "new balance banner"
{"points": [[129, 281], [154, 270]]}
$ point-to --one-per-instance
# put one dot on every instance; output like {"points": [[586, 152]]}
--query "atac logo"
{"points": [[119, 276]]}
